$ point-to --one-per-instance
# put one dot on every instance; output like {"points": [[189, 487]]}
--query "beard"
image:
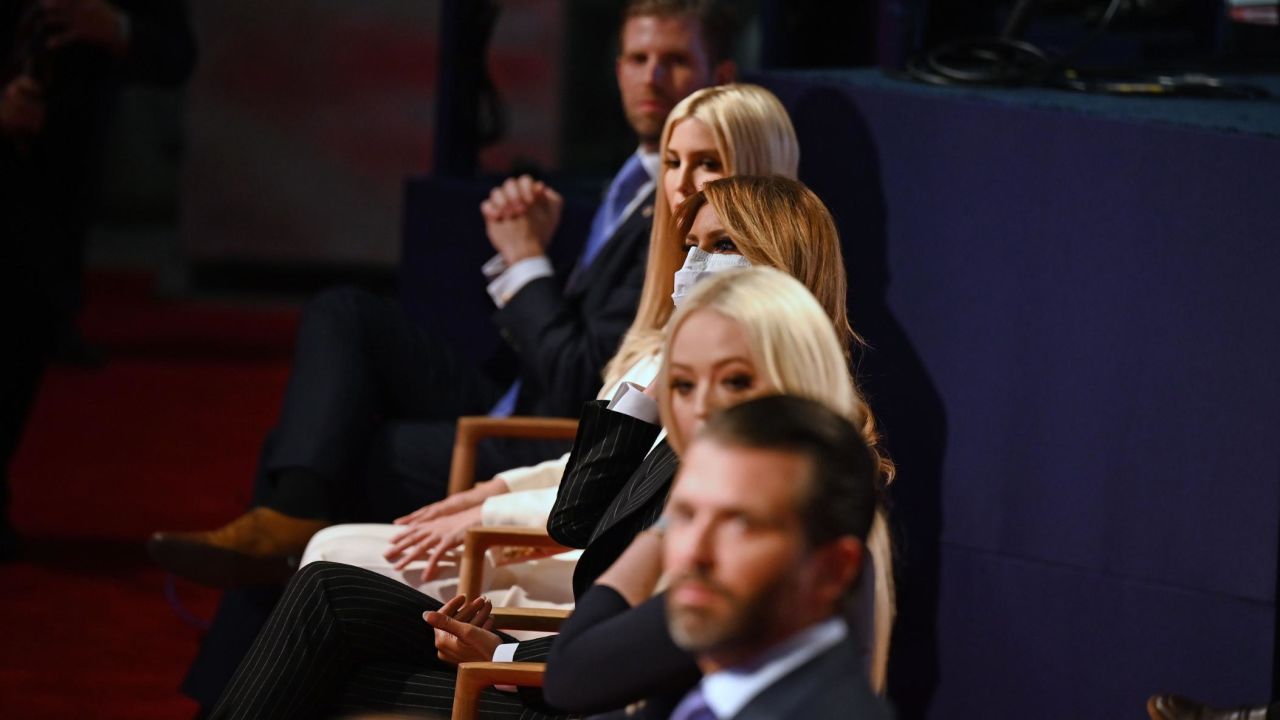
{"points": [[736, 623], [648, 124], [647, 127]]}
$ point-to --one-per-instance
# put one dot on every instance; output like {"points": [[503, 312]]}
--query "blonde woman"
{"points": [[739, 335], [713, 133]]}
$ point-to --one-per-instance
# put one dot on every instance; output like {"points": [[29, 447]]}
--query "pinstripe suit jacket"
{"points": [[613, 488]]}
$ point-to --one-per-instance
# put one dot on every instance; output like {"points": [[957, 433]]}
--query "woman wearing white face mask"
{"points": [[713, 133], [620, 469]]}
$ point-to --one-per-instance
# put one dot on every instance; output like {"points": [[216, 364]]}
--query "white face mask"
{"points": [[699, 265]]}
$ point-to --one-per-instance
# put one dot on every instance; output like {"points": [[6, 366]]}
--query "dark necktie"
{"points": [[608, 216]]}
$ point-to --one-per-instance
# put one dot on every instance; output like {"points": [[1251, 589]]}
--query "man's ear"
{"points": [[839, 564], [725, 72]]}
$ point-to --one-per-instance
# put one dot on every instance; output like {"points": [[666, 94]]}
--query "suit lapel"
{"points": [[635, 224], [831, 685], [651, 479]]}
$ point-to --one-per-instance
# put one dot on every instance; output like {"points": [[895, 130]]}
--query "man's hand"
{"points": [[22, 108], [463, 630], [456, 502], [520, 217], [432, 540], [92, 22]]}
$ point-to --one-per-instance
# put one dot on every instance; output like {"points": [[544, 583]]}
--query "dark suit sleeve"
{"points": [[609, 655], [162, 46], [535, 650], [609, 448], [563, 345]]}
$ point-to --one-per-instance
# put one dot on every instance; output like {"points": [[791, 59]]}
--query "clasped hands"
{"points": [[520, 216]]}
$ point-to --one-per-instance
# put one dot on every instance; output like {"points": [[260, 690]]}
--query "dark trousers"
{"points": [[370, 407], [342, 640]]}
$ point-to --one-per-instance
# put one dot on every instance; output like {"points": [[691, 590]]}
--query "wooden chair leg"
{"points": [[474, 677]]}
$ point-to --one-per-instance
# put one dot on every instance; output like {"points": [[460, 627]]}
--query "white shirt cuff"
{"points": [[514, 278], [506, 652], [631, 400], [494, 267]]}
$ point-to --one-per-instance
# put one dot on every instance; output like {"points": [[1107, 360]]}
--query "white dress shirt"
{"points": [[728, 691]]}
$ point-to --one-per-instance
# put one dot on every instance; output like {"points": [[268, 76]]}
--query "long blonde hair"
{"points": [[797, 350], [754, 136]]}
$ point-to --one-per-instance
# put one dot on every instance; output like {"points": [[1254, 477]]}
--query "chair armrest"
{"points": [[480, 539], [473, 429], [536, 619], [476, 676]]}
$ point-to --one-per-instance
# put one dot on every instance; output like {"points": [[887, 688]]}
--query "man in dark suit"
{"points": [[765, 536], [367, 425]]}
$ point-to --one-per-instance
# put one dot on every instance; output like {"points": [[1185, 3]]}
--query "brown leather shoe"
{"points": [[261, 547], [1176, 707]]}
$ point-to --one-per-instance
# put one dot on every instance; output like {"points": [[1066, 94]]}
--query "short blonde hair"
{"points": [[754, 136]]}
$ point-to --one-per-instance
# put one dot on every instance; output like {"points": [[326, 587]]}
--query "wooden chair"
{"points": [[462, 476], [471, 569], [473, 429], [476, 676]]}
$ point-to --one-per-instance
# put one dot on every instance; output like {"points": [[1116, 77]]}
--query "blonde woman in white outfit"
{"points": [[713, 133]]}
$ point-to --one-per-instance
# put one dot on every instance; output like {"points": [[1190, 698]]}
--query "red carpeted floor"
{"points": [[165, 435]]}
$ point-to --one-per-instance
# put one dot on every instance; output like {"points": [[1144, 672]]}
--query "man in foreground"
{"points": [[765, 539]]}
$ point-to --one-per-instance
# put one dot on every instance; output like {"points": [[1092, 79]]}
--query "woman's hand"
{"points": [[455, 503], [431, 540], [464, 630]]}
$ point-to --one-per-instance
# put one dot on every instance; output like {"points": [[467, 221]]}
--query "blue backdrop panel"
{"points": [[1092, 288], [1029, 639]]}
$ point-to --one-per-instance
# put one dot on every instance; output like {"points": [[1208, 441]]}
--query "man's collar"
{"points": [[728, 691], [652, 162]]}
